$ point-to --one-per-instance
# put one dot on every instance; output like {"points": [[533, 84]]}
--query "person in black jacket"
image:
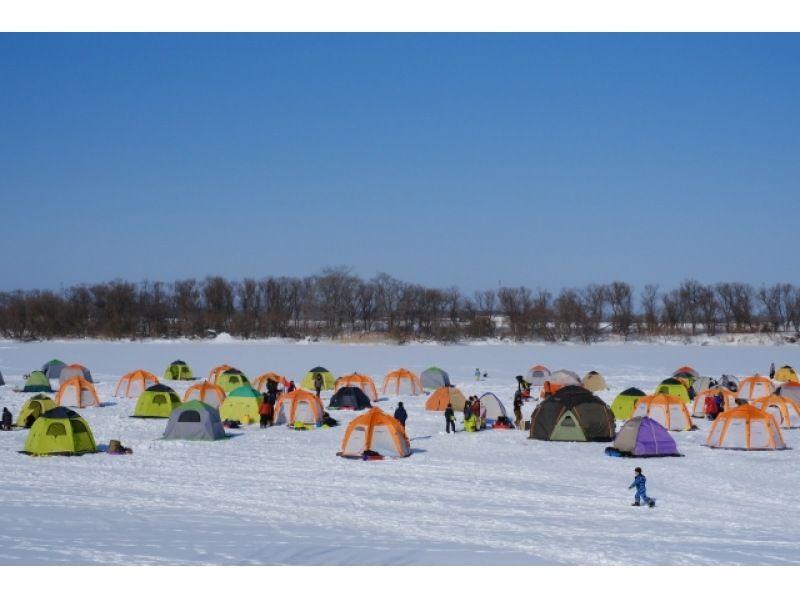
{"points": [[400, 414], [518, 411], [272, 391], [450, 418], [318, 383], [7, 418]]}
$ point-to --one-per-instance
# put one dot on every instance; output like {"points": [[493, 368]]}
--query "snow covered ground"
{"points": [[278, 496]]}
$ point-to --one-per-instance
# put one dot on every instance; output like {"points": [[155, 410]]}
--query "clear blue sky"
{"points": [[545, 160]]}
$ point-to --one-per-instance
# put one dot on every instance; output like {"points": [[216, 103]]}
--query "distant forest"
{"points": [[337, 304]]}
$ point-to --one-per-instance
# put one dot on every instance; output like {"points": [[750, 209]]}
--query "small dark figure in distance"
{"points": [[7, 417], [400, 414], [641, 491], [450, 418], [772, 371]]}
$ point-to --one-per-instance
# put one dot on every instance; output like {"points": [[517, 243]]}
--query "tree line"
{"points": [[336, 303]]}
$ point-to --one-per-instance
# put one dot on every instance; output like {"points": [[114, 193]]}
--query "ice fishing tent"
{"points": [[700, 384], [729, 381], [74, 370], [229, 380], [298, 407], [178, 370], [699, 404], [158, 400], [745, 428], [622, 406], [35, 406], [205, 392], [674, 388], [349, 397], [401, 382], [36, 382], [52, 369], [328, 381], [755, 387], [669, 411], [134, 383], [558, 380], [60, 431], [2, 382], [241, 405], [442, 396], [194, 420], [377, 432], [77, 392], [361, 381], [260, 383], [573, 413], [537, 375], [494, 407], [789, 389], [434, 378], [786, 374], [644, 437], [594, 381], [216, 371], [693, 373], [785, 411]]}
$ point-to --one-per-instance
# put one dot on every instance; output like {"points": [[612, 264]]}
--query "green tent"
{"points": [[241, 405], [35, 406], [232, 379], [674, 387], [178, 370], [572, 413], [52, 369], [36, 381], [60, 431], [328, 381], [624, 403], [157, 400]]}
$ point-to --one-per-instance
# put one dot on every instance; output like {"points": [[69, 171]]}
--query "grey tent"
{"points": [[434, 378], [52, 369], [700, 384], [73, 371], [494, 406], [2, 382], [194, 420]]}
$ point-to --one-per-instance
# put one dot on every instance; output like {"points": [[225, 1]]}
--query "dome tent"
{"points": [[537, 375], [693, 373], [194, 421], [785, 410], [77, 392], [215, 372], [35, 406], [361, 381], [328, 381], [134, 383], [745, 428], [573, 413], [178, 370], [624, 403], [158, 400], [36, 382], [594, 381], [669, 411], [558, 380], [402, 382], [260, 383], [60, 431], [298, 408], [755, 387], [673, 387], [786, 373], [375, 432], [241, 405], [643, 437], [494, 407], [74, 370], [230, 380], [52, 369], [700, 384], [442, 396], [434, 378], [206, 392], [699, 404], [349, 397], [790, 390]]}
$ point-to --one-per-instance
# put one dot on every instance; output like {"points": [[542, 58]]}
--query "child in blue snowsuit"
{"points": [[641, 491]]}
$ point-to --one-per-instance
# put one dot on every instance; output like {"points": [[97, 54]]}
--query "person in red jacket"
{"points": [[265, 411]]}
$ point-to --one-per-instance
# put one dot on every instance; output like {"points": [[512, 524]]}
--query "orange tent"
{"points": [[298, 406], [699, 405], [747, 428], [442, 396], [134, 383], [687, 370], [790, 389], [205, 392], [755, 387], [215, 372], [786, 411], [669, 411], [378, 432], [402, 382], [260, 383], [77, 392], [362, 381]]}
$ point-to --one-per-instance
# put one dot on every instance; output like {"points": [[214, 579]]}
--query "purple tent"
{"points": [[645, 437]]}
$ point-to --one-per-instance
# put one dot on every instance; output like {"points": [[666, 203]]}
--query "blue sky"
{"points": [[546, 160]]}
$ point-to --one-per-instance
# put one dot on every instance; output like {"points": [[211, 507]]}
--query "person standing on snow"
{"points": [[450, 418], [477, 375], [518, 411], [400, 414], [641, 491], [318, 383], [7, 418], [772, 371]]}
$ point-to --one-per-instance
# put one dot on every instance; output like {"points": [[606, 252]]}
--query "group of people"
{"points": [[474, 416]]}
